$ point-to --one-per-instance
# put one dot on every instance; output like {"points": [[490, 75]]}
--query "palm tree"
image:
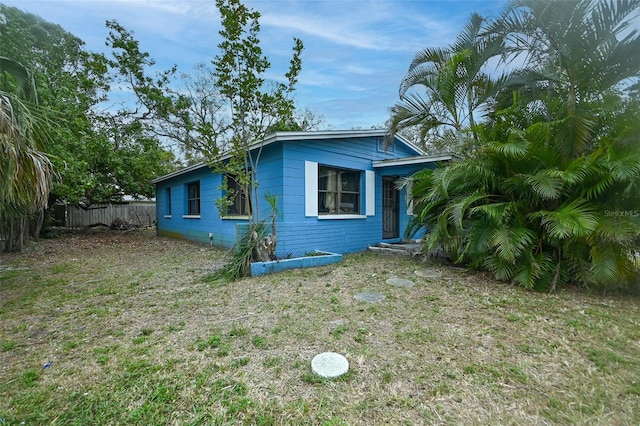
{"points": [[516, 210], [455, 84], [25, 171], [552, 195], [575, 50]]}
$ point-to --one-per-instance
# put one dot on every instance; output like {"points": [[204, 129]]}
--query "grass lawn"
{"points": [[120, 328]]}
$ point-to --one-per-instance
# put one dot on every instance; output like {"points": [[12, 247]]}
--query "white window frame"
{"points": [[311, 194]]}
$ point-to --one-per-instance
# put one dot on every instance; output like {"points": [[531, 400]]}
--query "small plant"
{"points": [[139, 340], [240, 362], [386, 376], [259, 342], [254, 244], [338, 331], [272, 362], [173, 328], [314, 379], [224, 350], [103, 359], [361, 336], [314, 253], [603, 359], [212, 342], [102, 355], [7, 345], [238, 332], [30, 377], [57, 269]]}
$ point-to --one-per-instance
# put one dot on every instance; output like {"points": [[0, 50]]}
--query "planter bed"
{"points": [[317, 259]]}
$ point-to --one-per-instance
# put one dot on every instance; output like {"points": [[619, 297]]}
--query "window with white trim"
{"points": [[338, 190], [320, 201]]}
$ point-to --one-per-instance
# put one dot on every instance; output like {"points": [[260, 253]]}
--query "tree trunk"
{"points": [[15, 231], [37, 223], [265, 249]]}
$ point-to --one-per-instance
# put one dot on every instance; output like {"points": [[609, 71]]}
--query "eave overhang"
{"points": [[301, 136], [412, 161]]}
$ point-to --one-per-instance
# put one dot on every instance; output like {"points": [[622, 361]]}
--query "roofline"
{"points": [[294, 136], [410, 144], [180, 172], [408, 161], [324, 134]]}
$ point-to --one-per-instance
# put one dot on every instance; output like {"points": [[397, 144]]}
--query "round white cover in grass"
{"points": [[329, 365], [400, 282], [428, 273], [369, 297]]}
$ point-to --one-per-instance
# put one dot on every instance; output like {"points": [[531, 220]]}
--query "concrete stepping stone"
{"points": [[400, 282], [369, 297], [329, 365], [428, 273]]}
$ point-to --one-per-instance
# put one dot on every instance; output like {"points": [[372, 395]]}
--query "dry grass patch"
{"points": [[134, 335]]}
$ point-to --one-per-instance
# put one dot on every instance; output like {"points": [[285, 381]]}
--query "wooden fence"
{"points": [[138, 214]]}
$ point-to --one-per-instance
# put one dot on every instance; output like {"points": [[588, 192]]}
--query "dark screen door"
{"points": [[389, 208]]}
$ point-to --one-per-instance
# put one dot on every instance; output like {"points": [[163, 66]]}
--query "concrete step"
{"points": [[411, 249]]}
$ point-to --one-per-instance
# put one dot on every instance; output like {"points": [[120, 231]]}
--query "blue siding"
{"points": [[281, 172], [196, 229], [399, 171], [224, 231], [299, 234]]}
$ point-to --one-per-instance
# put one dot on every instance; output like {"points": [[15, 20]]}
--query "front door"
{"points": [[389, 208]]}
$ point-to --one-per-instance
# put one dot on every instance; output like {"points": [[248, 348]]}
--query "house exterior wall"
{"points": [[178, 224], [283, 171], [223, 230], [299, 232]]}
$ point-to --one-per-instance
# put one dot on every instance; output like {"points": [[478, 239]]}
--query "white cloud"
{"points": [[356, 51]]}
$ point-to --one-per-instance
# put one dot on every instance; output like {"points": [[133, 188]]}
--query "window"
{"points": [[338, 191], [193, 199], [313, 197], [168, 202], [239, 198]]}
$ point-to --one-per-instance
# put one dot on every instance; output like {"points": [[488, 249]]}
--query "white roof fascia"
{"points": [[179, 172], [315, 135], [296, 136], [409, 144], [408, 161]]}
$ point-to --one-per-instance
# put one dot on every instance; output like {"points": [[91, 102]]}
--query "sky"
{"points": [[356, 51]]}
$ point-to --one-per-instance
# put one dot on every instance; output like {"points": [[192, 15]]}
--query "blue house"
{"points": [[336, 192]]}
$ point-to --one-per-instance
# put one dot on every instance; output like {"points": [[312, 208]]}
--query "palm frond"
{"points": [[545, 185], [573, 219], [516, 146], [614, 227], [509, 243], [496, 212], [611, 265], [481, 237], [500, 268], [459, 206], [574, 173], [534, 269]]}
